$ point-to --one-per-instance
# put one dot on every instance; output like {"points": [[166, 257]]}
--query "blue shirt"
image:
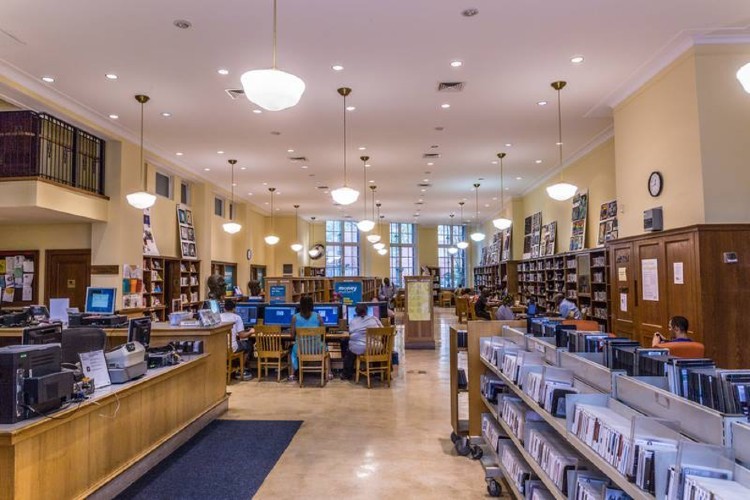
{"points": [[566, 307]]}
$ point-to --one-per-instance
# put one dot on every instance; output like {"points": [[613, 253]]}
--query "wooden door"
{"points": [[681, 282], [172, 276], [651, 306], [622, 270], [67, 274]]}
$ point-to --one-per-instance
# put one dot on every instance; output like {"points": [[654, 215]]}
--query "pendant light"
{"points": [[296, 247], [453, 249], [562, 190], [501, 222], [462, 244], [477, 235], [315, 249], [345, 195], [743, 75], [365, 225], [272, 239], [142, 199], [380, 246], [232, 227], [272, 89], [374, 237]]}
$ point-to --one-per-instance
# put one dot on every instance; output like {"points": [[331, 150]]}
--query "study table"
{"points": [[98, 447]]}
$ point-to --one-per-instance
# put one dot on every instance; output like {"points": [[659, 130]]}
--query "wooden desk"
{"points": [[99, 449], [329, 336]]}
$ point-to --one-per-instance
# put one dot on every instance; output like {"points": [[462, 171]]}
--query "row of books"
{"points": [[699, 380], [491, 386], [516, 467], [709, 488], [515, 413], [592, 486], [491, 432], [549, 389], [553, 454]]}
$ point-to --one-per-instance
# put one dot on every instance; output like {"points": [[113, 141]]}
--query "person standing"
{"points": [[387, 292], [358, 338], [240, 336]]}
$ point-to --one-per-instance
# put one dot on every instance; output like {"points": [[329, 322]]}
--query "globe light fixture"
{"points": [[477, 235], [272, 89], [272, 239], [365, 225], [463, 245], [344, 195], [297, 246], [382, 251], [231, 227], [315, 250], [379, 245], [501, 222], [141, 199], [562, 190]]}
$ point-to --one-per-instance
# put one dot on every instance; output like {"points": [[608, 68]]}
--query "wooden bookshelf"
{"points": [[497, 277], [320, 288], [229, 271], [154, 286]]}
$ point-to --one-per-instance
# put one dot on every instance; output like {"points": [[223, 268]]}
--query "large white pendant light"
{"points": [[743, 75], [272, 89], [365, 225], [296, 246], [272, 239], [314, 252], [345, 195], [141, 199], [463, 245], [232, 227], [453, 250], [375, 237], [501, 222], [477, 235], [562, 190]]}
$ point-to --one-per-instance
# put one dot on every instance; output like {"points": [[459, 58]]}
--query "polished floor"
{"points": [[360, 443]]}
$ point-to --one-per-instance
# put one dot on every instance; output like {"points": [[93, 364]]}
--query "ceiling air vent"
{"points": [[298, 158], [424, 184], [450, 86], [419, 203], [322, 188], [235, 93], [431, 155]]}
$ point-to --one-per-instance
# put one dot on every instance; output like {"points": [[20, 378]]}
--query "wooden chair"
{"points": [[232, 357], [445, 299], [586, 325], [472, 313], [377, 356], [270, 350], [311, 350], [399, 301], [385, 321], [462, 309]]}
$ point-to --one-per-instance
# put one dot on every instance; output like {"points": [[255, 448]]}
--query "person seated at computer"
{"points": [[387, 292], [240, 336], [391, 313], [305, 318], [358, 337], [566, 308], [504, 312], [482, 306], [255, 292], [678, 327]]}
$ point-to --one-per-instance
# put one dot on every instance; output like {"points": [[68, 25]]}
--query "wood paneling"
{"points": [[622, 279], [682, 298], [651, 313]]}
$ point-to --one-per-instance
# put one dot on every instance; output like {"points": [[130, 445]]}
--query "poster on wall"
{"points": [[650, 279], [549, 235], [419, 300], [186, 232], [349, 291], [608, 229], [532, 235], [579, 215], [149, 243], [506, 243]]}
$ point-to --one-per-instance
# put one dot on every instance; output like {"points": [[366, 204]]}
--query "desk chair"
{"points": [[684, 349], [462, 309], [232, 357], [584, 325], [377, 356], [311, 350], [446, 298], [270, 351], [471, 312]]}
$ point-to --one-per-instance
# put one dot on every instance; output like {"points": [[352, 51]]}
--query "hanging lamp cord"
{"points": [[143, 165], [274, 33], [345, 179]]}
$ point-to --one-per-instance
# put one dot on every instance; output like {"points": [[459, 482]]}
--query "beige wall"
{"points": [[427, 246]]}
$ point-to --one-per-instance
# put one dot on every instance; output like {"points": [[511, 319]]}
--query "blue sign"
{"points": [[350, 291], [277, 293]]}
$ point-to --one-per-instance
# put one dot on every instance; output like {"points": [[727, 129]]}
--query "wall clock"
{"points": [[249, 254], [655, 183]]}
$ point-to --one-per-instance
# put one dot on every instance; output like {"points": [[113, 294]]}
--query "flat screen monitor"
{"points": [[213, 305], [531, 309], [100, 300], [373, 309], [329, 313], [248, 313], [278, 315], [139, 330], [47, 334]]}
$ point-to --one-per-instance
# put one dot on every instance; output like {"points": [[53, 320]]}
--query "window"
{"points": [[164, 185], [185, 193], [403, 250], [342, 248], [219, 206], [452, 266]]}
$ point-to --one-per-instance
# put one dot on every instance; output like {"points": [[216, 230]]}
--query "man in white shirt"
{"points": [[239, 335], [358, 337]]}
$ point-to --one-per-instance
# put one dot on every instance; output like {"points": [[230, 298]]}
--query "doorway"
{"points": [[67, 274], [258, 273]]}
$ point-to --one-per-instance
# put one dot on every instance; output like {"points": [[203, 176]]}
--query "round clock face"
{"points": [[249, 254], [655, 184]]}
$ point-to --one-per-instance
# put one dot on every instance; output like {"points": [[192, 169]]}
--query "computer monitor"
{"points": [[373, 309], [139, 330], [329, 313], [100, 300], [278, 315], [248, 313], [531, 308], [46, 334]]}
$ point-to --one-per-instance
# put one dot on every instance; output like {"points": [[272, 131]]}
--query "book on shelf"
{"points": [[518, 470]]}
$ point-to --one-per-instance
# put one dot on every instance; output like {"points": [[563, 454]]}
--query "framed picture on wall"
{"points": [[184, 233], [191, 234], [181, 216], [189, 217]]}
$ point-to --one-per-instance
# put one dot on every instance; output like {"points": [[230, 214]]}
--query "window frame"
{"points": [[188, 193], [170, 184], [397, 249], [453, 272], [342, 245], [223, 202]]}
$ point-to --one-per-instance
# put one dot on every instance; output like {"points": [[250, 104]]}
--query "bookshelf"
{"points": [[154, 286], [320, 288], [229, 271], [435, 274], [497, 277]]}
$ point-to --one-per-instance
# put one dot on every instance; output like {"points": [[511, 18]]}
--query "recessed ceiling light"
{"points": [[257, 111], [507, 144], [423, 190], [114, 117], [456, 64], [266, 203], [519, 178], [425, 180], [493, 162], [494, 198], [179, 153], [537, 161], [361, 148], [243, 168], [445, 105], [290, 151], [337, 67], [430, 163], [304, 166], [576, 59], [367, 165], [350, 108], [558, 144], [234, 184], [166, 114], [371, 181], [223, 72], [183, 24], [249, 194], [507, 189], [470, 12], [265, 184], [486, 205], [48, 79], [111, 76], [542, 103], [220, 152], [207, 169]]}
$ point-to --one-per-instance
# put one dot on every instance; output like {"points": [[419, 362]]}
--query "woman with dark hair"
{"points": [[305, 318], [254, 291]]}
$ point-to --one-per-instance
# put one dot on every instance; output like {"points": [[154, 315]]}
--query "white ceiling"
{"points": [[394, 53]]}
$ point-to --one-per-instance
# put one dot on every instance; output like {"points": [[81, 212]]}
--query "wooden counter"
{"points": [[101, 446]]}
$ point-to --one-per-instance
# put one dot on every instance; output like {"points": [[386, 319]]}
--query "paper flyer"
{"points": [[8, 294]]}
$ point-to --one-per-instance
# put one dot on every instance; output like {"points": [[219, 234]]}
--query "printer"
{"points": [[126, 362], [100, 320]]}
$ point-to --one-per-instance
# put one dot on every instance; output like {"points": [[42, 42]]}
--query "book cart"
{"points": [[666, 442]]}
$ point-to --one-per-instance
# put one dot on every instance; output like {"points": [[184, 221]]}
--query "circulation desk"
{"points": [[123, 430]]}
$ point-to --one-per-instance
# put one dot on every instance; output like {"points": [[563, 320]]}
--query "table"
{"points": [[100, 447]]}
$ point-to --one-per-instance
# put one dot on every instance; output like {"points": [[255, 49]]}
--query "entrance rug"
{"points": [[228, 459]]}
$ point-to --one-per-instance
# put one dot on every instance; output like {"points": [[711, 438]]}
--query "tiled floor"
{"points": [[360, 443]]}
